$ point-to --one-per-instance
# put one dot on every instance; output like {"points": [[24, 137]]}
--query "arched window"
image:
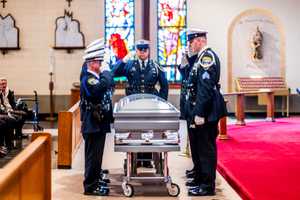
{"points": [[171, 35], [119, 27]]}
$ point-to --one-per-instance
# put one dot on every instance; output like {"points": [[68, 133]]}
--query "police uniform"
{"points": [[96, 116], [142, 76], [184, 69], [204, 100]]}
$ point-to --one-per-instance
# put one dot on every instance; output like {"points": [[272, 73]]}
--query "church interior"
{"points": [[49, 82]]}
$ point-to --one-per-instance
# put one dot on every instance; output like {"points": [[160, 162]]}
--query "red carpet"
{"points": [[261, 161]]}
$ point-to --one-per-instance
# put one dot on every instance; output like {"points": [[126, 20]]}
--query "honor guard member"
{"points": [[142, 73], [96, 107], [188, 59], [187, 62], [205, 106]]}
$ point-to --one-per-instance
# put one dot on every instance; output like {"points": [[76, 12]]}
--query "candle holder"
{"points": [[52, 104]]}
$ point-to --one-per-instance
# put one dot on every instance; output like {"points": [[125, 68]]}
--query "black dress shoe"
{"points": [[102, 183], [193, 183], [101, 191], [201, 191], [189, 171], [191, 174]]}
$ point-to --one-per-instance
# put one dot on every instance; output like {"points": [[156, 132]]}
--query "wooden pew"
{"points": [[75, 94], [28, 175], [69, 136]]}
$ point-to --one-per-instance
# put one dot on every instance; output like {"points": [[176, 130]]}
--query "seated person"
{"points": [[10, 106], [7, 123], [3, 149], [6, 133]]}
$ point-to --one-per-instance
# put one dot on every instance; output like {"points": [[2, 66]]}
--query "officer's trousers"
{"points": [[93, 152], [205, 153], [193, 145]]}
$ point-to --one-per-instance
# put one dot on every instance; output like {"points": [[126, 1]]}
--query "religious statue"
{"points": [[257, 45]]}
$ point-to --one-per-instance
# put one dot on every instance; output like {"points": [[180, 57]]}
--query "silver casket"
{"points": [[146, 123]]}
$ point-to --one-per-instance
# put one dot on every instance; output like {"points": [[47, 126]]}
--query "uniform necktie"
{"points": [[143, 65]]}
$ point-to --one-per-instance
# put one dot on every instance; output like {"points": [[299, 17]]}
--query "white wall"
{"points": [[216, 15], [28, 68]]}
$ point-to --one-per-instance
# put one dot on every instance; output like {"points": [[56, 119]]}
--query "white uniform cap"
{"points": [[95, 50]]}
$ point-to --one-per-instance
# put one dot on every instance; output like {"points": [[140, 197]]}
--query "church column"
{"points": [[146, 20]]}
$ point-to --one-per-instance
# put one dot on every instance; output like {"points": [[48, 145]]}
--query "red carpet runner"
{"points": [[261, 161]]}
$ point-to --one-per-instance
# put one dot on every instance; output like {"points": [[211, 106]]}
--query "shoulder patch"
{"points": [[92, 81], [207, 60]]}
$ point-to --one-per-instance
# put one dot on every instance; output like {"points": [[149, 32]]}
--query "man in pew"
{"points": [[7, 122], [3, 132], [96, 107], [8, 99]]}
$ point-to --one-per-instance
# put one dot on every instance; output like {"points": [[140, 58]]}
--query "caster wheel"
{"points": [[174, 190], [128, 190]]}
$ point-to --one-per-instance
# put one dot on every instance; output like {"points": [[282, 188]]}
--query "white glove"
{"points": [[106, 61], [129, 56], [184, 61], [199, 120], [104, 67], [106, 57]]}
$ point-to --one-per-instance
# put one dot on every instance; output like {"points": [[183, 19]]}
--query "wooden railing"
{"points": [[69, 136], [28, 175]]}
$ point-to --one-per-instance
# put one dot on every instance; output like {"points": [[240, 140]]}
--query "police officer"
{"points": [[187, 62], [205, 106], [142, 74], [188, 59], [96, 108]]}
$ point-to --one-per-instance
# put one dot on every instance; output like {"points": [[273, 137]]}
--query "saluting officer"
{"points": [[188, 59], [142, 73], [205, 106], [96, 107], [187, 62]]}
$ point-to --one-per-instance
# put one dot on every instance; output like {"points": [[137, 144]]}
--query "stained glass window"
{"points": [[119, 27], [171, 35]]}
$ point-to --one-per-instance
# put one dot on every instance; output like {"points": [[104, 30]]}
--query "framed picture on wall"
{"points": [[9, 34], [67, 33]]}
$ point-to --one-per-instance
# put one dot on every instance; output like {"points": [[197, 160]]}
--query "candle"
{"points": [[52, 61]]}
